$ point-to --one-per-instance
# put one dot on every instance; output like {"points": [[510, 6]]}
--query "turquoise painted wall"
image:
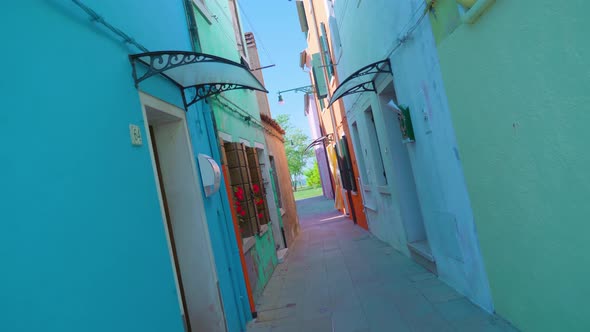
{"points": [[221, 229], [517, 86], [82, 244]]}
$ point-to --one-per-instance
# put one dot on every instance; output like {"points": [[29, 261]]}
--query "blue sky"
{"points": [[275, 25]]}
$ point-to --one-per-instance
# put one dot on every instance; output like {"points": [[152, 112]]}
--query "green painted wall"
{"points": [[444, 19], [216, 35], [517, 85], [264, 253]]}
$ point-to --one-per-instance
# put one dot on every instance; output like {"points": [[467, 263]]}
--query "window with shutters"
{"points": [[257, 185], [375, 149], [248, 192], [365, 178], [302, 18], [239, 35], [336, 42], [318, 76], [345, 164], [326, 51], [275, 178]]}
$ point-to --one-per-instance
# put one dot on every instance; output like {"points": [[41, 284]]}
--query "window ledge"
{"points": [[263, 230], [476, 11], [248, 243], [384, 190], [204, 11], [370, 207]]}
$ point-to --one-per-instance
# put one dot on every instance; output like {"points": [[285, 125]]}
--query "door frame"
{"points": [[194, 257]]}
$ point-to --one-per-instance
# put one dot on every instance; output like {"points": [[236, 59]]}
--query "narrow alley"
{"points": [[338, 277], [294, 165]]}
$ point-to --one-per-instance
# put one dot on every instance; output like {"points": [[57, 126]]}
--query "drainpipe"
{"points": [[331, 109], [476, 10], [192, 25]]}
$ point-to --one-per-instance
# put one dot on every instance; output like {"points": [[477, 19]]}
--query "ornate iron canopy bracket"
{"points": [[320, 141], [363, 87], [361, 81], [201, 92], [196, 74]]}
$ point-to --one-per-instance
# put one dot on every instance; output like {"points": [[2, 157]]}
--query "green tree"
{"points": [[295, 143], [313, 176]]}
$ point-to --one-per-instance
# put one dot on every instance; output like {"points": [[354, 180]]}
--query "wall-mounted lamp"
{"points": [[305, 89]]}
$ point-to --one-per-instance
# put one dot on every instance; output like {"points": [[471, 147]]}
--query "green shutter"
{"points": [[318, 76], [302, 17], [326, 51]]}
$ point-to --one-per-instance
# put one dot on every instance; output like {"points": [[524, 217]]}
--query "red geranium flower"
{"points": [[260, 215], [259, 202], [239, 193], [255, 188]]}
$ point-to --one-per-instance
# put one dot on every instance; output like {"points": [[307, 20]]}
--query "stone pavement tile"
{"points": [[412, 305], [315, 311], [283, 314], [440, 293], [382, 314], [421, 276], [256, 326], [426, 283], [322, 324], [386, 319], [432, 322], [338, 277], [461, 311], [342, 294], [336, 270], [349, 320], [292, 293], [493, 324], [291, 326], [266, 302]]}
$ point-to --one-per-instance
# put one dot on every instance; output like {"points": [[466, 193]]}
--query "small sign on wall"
{"points": [[405, 121], [135, 133]]}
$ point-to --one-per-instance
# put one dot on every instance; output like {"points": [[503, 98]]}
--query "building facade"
{"points": [[515, 87], [133, 217], [319, 149], [414, 193], [242, 144], [319, 58], [108, 228], [286, 210]]}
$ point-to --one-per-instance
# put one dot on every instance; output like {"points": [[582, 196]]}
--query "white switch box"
{"points": [[135, 133]]}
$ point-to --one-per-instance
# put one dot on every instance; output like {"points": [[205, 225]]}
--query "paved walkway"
{"points": [[337, 277]]}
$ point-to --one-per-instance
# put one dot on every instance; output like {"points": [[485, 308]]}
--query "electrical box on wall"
{"points": [[210, 174]]}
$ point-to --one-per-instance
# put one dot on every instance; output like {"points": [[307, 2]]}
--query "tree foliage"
{"points": [[312, 175], [295, 143]]}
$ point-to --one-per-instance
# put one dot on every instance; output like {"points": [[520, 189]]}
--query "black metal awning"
{"points": [[206, 75], [319, 141], [362, 80]]}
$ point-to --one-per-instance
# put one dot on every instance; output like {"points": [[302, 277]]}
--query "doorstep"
{"points": [[422, 254]]}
